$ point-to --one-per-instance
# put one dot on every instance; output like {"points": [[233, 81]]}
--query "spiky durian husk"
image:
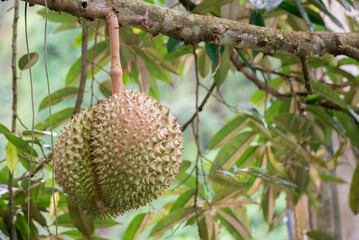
{"points": [[118, 155]]}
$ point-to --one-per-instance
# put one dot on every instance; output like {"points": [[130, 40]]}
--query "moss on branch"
{"points": [[191, 28]]}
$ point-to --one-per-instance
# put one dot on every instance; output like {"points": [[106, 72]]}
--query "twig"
{"points": [[200, 107], [48, 158], [218, 55], [50, 118], [261, 85], [306, 75], [80, 94], [14, 114], [196, 133]]}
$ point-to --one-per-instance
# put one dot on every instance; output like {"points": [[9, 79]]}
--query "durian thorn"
{"points": [[115, 68]]}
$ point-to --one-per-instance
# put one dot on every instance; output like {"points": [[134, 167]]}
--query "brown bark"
{"points": [[192, 28]]}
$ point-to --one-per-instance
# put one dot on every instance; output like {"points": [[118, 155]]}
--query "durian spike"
{"points": [[115, 68]]}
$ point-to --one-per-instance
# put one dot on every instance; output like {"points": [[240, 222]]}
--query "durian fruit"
{"points": [[118, 155]]}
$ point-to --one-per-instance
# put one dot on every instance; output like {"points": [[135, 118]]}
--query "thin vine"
{"points": [[51, 130], [32, 125]]}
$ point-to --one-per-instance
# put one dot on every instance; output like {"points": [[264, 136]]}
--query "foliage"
{"points": [[272, 148]]}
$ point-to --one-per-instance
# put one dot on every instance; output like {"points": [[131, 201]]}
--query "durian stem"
{"points": [[115, 68]]}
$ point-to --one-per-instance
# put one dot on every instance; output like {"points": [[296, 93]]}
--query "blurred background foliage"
{"points": [[259, 154]]}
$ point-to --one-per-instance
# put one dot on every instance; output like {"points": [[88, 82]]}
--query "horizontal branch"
{"points": [[192, 28]]}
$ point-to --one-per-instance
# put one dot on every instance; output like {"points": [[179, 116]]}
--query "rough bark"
{"points": [[191, 28]]}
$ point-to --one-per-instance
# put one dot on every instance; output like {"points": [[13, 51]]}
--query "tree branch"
{"points": [[191, 28]]}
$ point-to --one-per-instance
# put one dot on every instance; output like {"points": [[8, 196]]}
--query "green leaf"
{"points": [[37, 133], [135, 227], [182, 200], [24, 60], [184, 166], [354, 192], [203, 64], [105, 223], [102, 57], [227, 132], [328, 93], [222, 72], [58, 96], [315, 235], [11, 157], [81, 221], [209, 5], [53, 16], [228, 192], [322, 8], [173, 44], [313, 16], [57, 119], [256, 18], [22, 146], [64, 220], [232, 224], [106, 88], [300, 127], [175, 217], [329, 178], [233, 150], [211, 50]]}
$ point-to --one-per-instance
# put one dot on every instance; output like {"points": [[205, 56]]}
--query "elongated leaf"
{"points": [[315, 235], [204, 64], [328, 93], [300, 127], [102, 57], [227, 132], [106, 88], [133, 227], [211, 50], [53, 16], [322, 8], [64, 220], [24, 60], [189, 181], [173, 44], [136, 226], [233, 150], [22, 146], [53, 204], [105, 223], [11, 157], [58, 96], [230, 222], [329, 178], [354, 191], [175, 217], [222, 72], [38, 133], [313, 16], [209, 5], [57, 119], [182, 200], [81, 221], [227, 193], [288, 147]]}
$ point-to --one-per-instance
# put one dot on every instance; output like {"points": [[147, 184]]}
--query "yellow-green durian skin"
{"points": [[118, 155]]}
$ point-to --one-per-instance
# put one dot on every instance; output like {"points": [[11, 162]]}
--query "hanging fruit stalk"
{"points": [[115, 68]]}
